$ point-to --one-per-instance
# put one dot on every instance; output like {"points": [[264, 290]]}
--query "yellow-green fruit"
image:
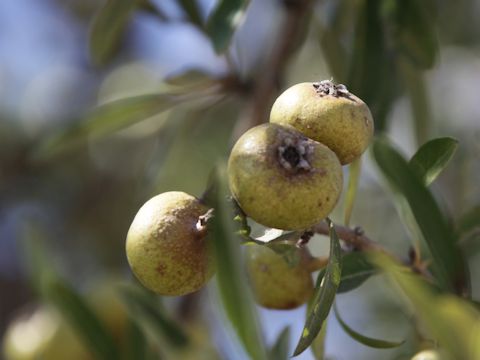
{"points": [[428, 355], [329, 114], [42, 334], [282, 179], [167, 246], [275, 283]]}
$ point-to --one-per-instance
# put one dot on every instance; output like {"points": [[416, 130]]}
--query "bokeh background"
{"points": [[416, 65]]}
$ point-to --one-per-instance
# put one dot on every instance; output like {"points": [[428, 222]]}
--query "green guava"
{"points": [[282, 179], [275, 283], [167, 245], [329, 114]]}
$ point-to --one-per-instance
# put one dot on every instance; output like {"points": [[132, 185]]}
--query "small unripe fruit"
{"points": [[167, 246], [428, 355], [42, 334], [329, 114], [275, 283], [282, 179]]}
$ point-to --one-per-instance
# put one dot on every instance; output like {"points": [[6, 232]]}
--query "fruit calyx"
{"points": [[328, 87], [293, 154]]}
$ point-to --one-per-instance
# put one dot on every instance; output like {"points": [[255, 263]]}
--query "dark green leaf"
{"points": [[412, 26], [354, 170], [452, 321], [324, 294], [365, 340], [236, 299], [372, 71], [193, 12], [108, 27], [448, 264], [82, 318], [223, 21], [280, 350], [137, 343], [356, 269], [107, 119], [432, 157], [144, 308]]}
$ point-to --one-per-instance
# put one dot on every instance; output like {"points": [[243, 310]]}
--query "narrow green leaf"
{"points": [[353, 178], [324, 294], [82, 318], [137, 343], [452, 321], [448, 264], [365, 340], [236, 299], [145, 309], [356, 269], [223, 21], [432, 157], [190, 7], [189, 78], [107, 119], [318, 344], [413, 29], [280, 350], [108, 27]]}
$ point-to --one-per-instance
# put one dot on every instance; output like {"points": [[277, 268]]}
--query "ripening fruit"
{"points": [[282, 179], [427, 355], [42, 334], [275, 283], [167, 246], [329, 114]]}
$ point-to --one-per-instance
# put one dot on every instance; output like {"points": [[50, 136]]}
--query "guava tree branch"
{"points": [[266, 87]]}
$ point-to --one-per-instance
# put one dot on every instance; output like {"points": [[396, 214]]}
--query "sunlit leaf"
{"points": [[448, 264], [223, 21], [107, 119], [280, 349], [356, 269], [365, 340], [82, 318], [432, 157], [452, 321], [353, 177], [324, 294], [236, 299], [144, 308], [108, 27]]}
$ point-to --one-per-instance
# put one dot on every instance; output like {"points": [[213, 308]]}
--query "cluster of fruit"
{"points": [[286, 174]]}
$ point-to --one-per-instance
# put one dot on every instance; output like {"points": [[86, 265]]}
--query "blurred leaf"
{"points": [[432, 157], [144, 308], [71, 305], [223, 21], [189, 77], [137, 343], [324, 294], [365, 340], [372, 71], [353, 177], [82, 318], [356, 269], [193, 12], [107, 119], [413, 29], [468, 231], [280, 350], [453, 322], [108, 27], [236, 299], [448, 264]]}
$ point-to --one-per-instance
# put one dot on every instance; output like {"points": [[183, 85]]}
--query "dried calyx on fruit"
{"points": [[282, 179], [327, 113]]}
